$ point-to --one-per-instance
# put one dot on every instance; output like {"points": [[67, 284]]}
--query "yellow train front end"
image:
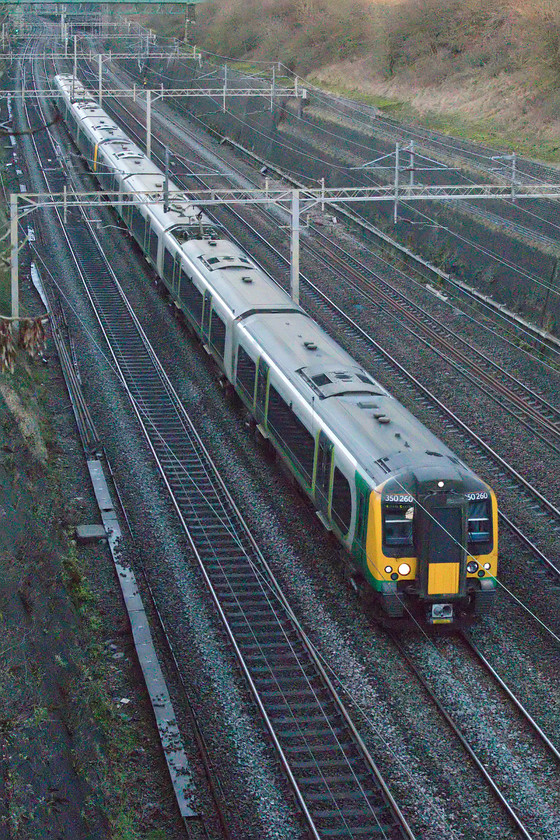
{"points": [[432, 553]]}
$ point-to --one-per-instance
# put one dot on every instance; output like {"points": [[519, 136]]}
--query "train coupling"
{"points": [[441, 614]]}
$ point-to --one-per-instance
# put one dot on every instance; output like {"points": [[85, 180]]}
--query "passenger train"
{"points": [[420, 529]]}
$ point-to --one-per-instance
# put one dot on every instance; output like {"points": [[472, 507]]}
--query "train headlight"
{"points": [[487, 566], [404, 569], [388, 570], [472, 567]]}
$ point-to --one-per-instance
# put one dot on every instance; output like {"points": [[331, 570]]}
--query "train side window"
{"points": [[168, 266], [479, 527], [362, 518], [127, 209], [154, 241], [138, 225], [397, 524], [191, 297], [291, 432], [341, 508], [246, 371], [217, 334]]}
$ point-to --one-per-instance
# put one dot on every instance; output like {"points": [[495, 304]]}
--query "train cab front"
{"points": [[439, 550]]}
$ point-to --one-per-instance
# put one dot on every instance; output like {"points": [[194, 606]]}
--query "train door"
{"points": [[206, 312], [323, 472], [363, 492], [441, 533], [262, 383]]}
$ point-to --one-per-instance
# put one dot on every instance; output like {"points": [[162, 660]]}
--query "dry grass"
{"points": [[488, 69], [27, 423]]}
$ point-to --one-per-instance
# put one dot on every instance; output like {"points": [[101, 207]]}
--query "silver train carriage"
{"points": [[419, 527]]}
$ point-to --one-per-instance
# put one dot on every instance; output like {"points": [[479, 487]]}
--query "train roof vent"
{"points": [[365, 405], [247, 279], [435, 454], [382, 463], [382, 418], [337, 383], [310, 345], [226, 261], [321, 379]]}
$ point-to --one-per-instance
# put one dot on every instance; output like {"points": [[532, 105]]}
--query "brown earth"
{"points": [[483, 69], [75, 761]]}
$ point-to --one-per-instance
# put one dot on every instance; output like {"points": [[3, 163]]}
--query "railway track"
{"points": [[461, 354], [542, 737], [495, 778], [505, 319], [488, 459], [489, 162], [335, 780], [523, 831]]}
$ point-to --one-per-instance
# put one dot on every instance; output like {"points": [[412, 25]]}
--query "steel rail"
{"points": [[462, 739], [538, 416], [516, 702], [78, 400], [149, 424], [408, 377], [163, 418], [407, 308], [157, 690], [511, 318]]}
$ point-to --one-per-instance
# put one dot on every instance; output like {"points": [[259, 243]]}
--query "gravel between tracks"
{"points": [[446, 796]]}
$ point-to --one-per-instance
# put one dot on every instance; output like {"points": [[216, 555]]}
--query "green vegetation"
{"points": [[485, 70]]}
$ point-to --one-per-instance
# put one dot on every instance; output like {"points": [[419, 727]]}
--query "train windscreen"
{"points": [[445, 536]]}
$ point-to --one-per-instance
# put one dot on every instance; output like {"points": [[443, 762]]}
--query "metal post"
{"points": [[148, 123], [396, 205], [75, 55], [66, 40], [295, 88], [266, 187], [14, 266], [294, 263], [412, 163], [65, 205], [322, 182], [273, 87], [134, 92], [549, 288], [100, 77], [166, 182], [225, 87], [513, 174]]}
